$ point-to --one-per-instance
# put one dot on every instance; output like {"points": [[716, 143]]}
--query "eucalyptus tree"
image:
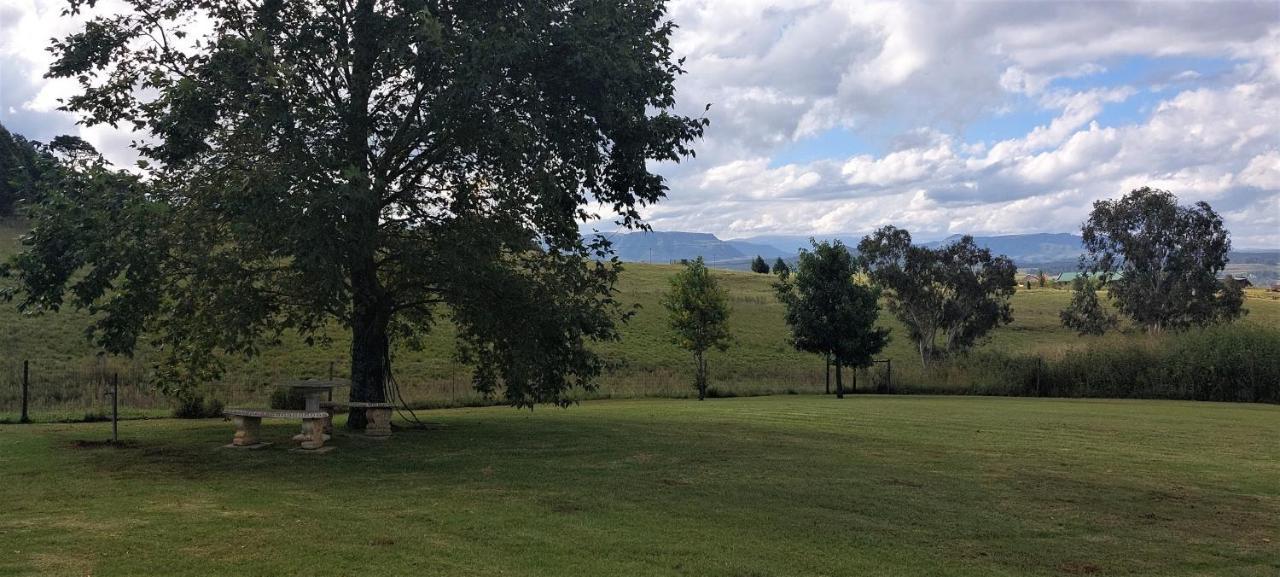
{"points": [[1161, 260], [828, 312], [698, 314], [948, 297], [370, 161], [1086, 314]]}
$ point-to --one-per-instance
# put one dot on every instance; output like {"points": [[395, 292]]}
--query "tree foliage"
{"points": [[368, 161], [759, 266], [1160, 260], [1086, 313], [698, 313], [949, 297], [24, 166], [780, 266], [830, 314]]}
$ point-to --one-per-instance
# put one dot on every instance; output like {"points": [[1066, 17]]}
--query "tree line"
{"points": [[948, 298], [1159, 262]]}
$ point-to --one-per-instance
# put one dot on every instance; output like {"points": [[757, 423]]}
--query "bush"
{"points": [[288, 399], [194, 406]]}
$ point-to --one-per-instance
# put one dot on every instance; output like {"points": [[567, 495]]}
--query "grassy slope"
{"points": [[792, 485], [761, 361]]}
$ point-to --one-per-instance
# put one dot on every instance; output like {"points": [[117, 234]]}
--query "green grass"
{"points": [[69, 375], [765, 486]]}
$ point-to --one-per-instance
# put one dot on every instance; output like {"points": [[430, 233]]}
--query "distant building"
{"points": [[1069, 277], [1241, 280]]}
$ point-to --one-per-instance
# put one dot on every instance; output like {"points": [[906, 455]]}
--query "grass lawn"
{"points": [[789, 485]]}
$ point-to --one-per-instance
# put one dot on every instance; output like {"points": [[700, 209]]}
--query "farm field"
{"points": [[762, 486], [760, 362]]}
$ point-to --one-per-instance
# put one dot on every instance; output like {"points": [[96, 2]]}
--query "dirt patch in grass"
{"points": [[103, 444], [1078, 568]]}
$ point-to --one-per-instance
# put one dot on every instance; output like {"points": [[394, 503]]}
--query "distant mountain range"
{"points": [[1052, 252], [664, 247]]}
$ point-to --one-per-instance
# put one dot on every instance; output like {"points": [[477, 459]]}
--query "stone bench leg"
{"points": [[313, 433], [378, 422], [247, 430]]}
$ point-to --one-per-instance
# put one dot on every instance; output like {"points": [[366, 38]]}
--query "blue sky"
{"points": [[840, 116]]}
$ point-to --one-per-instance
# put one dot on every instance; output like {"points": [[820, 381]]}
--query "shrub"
{"points": [[194, 406], [288, 399]]}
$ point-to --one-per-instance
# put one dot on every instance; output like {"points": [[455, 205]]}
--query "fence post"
{"points": [[115, 407], [331, 380], [26, 383], [888, 378]]}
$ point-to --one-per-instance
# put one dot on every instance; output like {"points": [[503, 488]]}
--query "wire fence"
{"points": [[53, 389]]}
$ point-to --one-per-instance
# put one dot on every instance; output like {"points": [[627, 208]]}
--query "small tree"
{"points": [[759, 266], [949, 297], [1086, 314], [1043, 278], [780, 266], [1159, 260], [829, 313], [698, 312]]}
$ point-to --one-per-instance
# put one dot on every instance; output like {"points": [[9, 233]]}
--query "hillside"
{"points": [[1050, 252], [648, 364]]}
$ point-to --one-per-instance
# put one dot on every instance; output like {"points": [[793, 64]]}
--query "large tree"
{"points": [[948, 297], [1160, 260], [828, 312], [369, 161], [698, 314]]}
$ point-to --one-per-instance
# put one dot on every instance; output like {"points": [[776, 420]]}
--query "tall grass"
{"points": [[1237, 362]]}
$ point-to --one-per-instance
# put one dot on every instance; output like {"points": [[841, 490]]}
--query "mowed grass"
{"points": [[763, 486]]}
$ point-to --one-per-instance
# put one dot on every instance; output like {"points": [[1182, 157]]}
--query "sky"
{"points": [[943, 118]]}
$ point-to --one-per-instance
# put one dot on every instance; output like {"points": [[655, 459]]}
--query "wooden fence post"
{"points": [[115, 407], [331, 380], [26, 384]]}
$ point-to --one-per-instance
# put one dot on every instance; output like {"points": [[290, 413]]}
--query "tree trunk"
{"points": [[701, 377], [839, 381], [369, 351], [370, 307], [827, 358]]}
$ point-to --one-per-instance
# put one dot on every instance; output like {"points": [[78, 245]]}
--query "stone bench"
{"points": [[377, 418], [331, 407], [249, 425]]}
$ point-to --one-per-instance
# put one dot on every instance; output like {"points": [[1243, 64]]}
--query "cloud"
{"points": [[909, 78]]}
